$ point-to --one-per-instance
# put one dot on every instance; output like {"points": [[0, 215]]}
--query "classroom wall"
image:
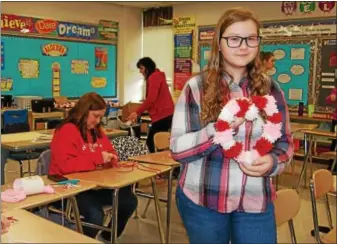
{"points": [[129, 40], [208, 13]]}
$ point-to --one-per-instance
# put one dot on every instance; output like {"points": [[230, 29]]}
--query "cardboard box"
{"points": [[129, 108]]}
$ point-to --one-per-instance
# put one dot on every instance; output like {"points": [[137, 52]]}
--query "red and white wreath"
{"points": [[243, 108]]}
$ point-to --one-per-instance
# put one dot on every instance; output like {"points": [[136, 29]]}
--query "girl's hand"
{"points": [[259, 168]]}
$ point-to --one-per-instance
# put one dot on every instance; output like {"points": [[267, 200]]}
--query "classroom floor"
{"points": [[144, 230]]}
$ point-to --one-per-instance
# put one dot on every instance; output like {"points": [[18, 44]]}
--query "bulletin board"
{"points": [[76, 71], [293, 67], [326, 78]]}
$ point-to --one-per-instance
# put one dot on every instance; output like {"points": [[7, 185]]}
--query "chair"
{"points": [[320, 185], [285, 212], [161, 143], [16, 121]]}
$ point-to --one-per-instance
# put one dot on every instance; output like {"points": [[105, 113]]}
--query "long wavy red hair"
{"points": [[216, 92]]}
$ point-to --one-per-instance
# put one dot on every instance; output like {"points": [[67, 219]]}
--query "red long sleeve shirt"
{"points": [[70, 153], [158, 102]]}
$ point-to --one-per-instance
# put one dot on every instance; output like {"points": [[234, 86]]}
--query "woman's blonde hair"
{"points": [[216, 93]]}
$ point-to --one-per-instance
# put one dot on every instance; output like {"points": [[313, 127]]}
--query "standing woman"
{"points": [[158, 102], [79, 144], [268, 61], [219, 199]]}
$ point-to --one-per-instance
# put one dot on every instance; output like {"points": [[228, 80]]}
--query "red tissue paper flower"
{"points": [[275, 118], [234, 151], [263, 146], [221, 125], [260, 102], [244, 106]]}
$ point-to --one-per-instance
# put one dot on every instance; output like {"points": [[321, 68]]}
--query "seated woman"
{"points": [[79, 144]]}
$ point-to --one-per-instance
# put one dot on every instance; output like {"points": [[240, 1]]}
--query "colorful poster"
{"points": [[182, 72], [54, 49], [6, 84], [98, 82], [2, 55], [206, 33], [79, 67], [108, 30], [101, 58], [183, 45], [46, 26], [182, 25], [29, 68], [80, 31]]}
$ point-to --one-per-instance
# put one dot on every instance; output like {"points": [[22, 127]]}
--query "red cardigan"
{"points": [[159, 102], [70, 154]]}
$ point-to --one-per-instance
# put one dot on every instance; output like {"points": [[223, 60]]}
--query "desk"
{"points": [[308, 136], [115, 178], [43, 199], [40, 139], [48, 115], [31, 228], [161, 158], [299, 127], [305, 117]]}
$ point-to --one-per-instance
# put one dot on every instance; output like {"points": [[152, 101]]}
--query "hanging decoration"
{"points": [[307, 7], [326, 6], [288, 7]]}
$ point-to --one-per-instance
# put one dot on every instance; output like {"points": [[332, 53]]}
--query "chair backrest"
{"points": [[15, 117], [162, 141], [128, 146], [16, 128], [323, 182], [283, 210], [43, 163]]}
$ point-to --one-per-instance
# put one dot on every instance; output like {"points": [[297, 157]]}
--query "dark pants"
{"points": [[158, 126], [204, 225], [90, 204], [4, 156]]}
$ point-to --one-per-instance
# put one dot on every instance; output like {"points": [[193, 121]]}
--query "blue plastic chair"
{"points": [[16, 121]]}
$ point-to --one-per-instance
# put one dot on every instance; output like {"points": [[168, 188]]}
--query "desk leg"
{"points": [[307, 152], [114, 216], [168, 207], [156, 202], [78, 221]]}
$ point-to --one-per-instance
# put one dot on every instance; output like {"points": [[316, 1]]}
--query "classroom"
{"points": [[168, 122]]}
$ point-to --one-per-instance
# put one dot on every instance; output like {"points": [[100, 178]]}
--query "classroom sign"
{"points": [[106, 30]]}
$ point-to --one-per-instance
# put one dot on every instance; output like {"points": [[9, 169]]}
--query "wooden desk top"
{"points": [[323, 133], [40, 139], [115, 178], [45, 198], [57, 114], [294, 116], [161, 158], [298, 127], [31, 228]]}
